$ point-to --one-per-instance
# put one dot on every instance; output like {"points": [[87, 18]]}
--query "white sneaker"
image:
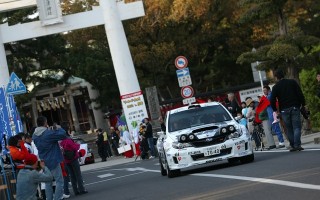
{"points": [[151, 157], [281, 145], [66, 196]]}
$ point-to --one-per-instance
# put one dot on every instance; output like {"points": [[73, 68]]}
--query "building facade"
{"points": [[69, 105]]}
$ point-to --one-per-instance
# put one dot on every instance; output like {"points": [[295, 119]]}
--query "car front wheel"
{"points": [[172, 173], [163, 170]]}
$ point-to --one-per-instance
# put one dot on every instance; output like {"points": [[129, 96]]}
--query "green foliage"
{"points": [[309, 86]]}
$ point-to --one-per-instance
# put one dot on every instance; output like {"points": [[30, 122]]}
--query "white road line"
{"points": [[105, 175], [115, 178], [284, 150], [264, 180], [243, 178], [253, 179]]}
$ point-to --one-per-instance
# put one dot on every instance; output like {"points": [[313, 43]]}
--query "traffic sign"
{"points": [[15, 85], [181, 62], [187, 92], [184, 77], [189, 100]]}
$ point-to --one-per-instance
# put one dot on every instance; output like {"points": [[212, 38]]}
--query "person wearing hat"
{"points": [[30, 176], [250, 120]]}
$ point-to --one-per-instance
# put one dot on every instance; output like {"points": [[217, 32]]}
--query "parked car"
{"points": [[88, 158], [199, 134]]}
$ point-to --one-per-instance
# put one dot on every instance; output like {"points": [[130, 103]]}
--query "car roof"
{"points": [[176, 110]]}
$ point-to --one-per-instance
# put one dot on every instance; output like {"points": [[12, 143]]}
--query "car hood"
{"points": [[204, 131]]}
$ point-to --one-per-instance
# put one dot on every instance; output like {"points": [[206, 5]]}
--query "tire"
{"points": [[172, 173], [163, 170], [247, 159]]}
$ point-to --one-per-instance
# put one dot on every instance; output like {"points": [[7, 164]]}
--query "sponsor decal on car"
{"points": [[240, 142]]}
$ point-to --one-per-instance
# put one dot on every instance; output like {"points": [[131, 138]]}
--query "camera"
{"points": [[39, 166], [304, 112]]}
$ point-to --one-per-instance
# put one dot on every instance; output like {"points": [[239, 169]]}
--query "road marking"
{"points": [[105, 175], [115, 178], [264, 180], [245, 178], [281, 151]]}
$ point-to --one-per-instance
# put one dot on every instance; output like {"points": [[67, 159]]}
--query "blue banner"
{"points": [[15, 114], [5, 129]]}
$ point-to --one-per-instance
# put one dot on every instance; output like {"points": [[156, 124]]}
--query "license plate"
{"points": [[211, 151]]}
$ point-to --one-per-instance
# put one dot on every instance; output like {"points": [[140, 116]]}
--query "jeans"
{"points": [[66, 182], [276, 128], [57, 175], [75, 176], [291, 118], [151, 146]]}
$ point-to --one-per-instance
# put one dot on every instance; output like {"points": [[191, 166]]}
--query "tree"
{"points": [[308, 85], [291, 48], [206, 32]]}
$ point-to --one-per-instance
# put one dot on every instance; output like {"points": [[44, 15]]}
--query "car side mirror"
{"points": [[237, 118]]}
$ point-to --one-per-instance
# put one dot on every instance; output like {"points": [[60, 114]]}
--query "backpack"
{"points": [[68, 154]]}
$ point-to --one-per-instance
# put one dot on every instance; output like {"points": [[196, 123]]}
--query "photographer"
{"points": [[46, 140], [30, 176]]}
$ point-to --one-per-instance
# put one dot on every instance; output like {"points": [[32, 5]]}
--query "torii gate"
{"points": [[110, 13]]}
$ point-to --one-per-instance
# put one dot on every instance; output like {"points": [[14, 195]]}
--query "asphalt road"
{"points": [[273, 175]]}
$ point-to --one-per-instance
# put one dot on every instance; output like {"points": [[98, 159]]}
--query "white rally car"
{"points": [[199, 134]]}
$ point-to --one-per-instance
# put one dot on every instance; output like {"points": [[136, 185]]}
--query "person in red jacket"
{"points": [[17, 150]]}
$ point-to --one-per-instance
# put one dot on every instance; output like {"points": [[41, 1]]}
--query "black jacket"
{"points": [[148, 132], [288, 93]]}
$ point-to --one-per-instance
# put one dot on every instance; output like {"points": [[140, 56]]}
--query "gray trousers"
{"points": [[267, 132]]}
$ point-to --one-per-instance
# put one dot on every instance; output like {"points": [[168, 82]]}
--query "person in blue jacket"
{"points": [[46, 140]]}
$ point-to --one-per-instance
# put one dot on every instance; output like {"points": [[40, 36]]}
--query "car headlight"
{"points": [[178, 145], [183, 138], [231, 128], [234, 135], [237, 133], [224, 130]]}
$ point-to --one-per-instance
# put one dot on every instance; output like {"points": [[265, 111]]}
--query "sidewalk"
{"points": [[306, 140]]}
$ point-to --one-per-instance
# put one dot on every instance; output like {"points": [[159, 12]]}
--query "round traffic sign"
{"points": [[187, 92], [181, 62]]}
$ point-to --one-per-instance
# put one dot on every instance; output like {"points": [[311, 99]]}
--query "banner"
{"points": [[134, 109], [5, 129], [15, 114]]}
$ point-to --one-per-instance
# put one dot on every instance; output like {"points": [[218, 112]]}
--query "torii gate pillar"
{"points": [[4, 71], [121, 56]]}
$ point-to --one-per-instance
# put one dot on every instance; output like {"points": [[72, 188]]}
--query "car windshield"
{"points": [[197, 116]]}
